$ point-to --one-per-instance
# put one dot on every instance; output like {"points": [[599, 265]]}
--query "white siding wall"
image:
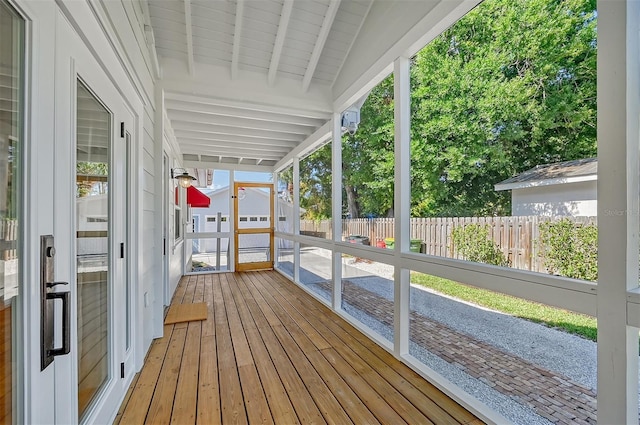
{"points": [[130, 42], [570, 199]]}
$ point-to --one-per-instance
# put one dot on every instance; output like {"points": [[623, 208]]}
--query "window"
{"points": [[264, 218], [253, 219], [177, 216], [211, 220], [243, 218]]}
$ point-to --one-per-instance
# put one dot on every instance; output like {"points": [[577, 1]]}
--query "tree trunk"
{"points": [[352, 202]]}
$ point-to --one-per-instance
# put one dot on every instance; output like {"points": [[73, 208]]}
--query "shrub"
{"points": [[473, 243], [570, 249]]}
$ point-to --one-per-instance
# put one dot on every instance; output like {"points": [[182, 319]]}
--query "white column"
{"points": [[618, 143], [336, 208], [231, 261], [296, 218], [402, 201], [275, 217]]}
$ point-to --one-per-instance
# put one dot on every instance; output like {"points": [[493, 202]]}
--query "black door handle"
{"points": [[65, 297]]}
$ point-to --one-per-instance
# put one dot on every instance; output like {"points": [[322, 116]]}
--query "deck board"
{"points": [[270, 353]]}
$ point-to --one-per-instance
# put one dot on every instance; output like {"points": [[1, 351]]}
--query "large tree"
{"points": [[510, 86], [368, 157]]}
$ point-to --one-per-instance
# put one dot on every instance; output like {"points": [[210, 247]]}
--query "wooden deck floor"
{"points": [[270, 353]]}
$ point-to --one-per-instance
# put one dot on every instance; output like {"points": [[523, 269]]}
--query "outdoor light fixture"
{"points": [[180, 174]]}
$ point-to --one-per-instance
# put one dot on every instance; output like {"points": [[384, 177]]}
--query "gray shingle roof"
{"points": [[557, 170]]}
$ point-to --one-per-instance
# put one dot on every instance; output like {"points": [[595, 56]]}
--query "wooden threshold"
{"points": [[271, 353]]}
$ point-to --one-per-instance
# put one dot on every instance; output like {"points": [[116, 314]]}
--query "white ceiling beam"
{"points": [[233, 153], [198, 118], [230, 139], [249, 88], [219, 165], [183, 120], [259, 135], [248, 106], [189, 34], [226, 111], [320, 41], [239, 135], [237, 36], [225, 145], [285, 16]]}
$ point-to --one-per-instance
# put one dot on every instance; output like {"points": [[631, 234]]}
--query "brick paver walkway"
{"points": [[549, 394]]}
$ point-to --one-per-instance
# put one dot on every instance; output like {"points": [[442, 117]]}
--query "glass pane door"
{"points": [[11, 124], [93, 224]]}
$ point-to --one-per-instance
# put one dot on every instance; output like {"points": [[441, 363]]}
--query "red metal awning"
{"points": [[195, 198]]}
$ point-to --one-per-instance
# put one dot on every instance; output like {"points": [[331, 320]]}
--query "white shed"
{"points": [[560, 189]]}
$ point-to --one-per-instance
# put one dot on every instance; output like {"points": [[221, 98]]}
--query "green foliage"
{"points": [[473, 243], [570, 249], [568, 321], [368, 156], [315, 184], [509, 86]]}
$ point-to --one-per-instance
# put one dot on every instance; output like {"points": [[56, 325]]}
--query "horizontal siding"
{"points": [[148, 183], [132, 39], [148, 201], [148, 163]]}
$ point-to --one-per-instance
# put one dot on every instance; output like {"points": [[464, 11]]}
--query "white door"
{"points": [[93, 132]]}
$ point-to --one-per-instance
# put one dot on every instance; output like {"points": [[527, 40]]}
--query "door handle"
{"points": [[65, 297], [47, 305]]}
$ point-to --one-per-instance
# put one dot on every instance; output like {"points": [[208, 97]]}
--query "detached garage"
{"points": [[560, 189]]}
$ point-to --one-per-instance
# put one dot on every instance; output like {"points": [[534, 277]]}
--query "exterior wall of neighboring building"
{"points": [[569, 199], [254, 212]]}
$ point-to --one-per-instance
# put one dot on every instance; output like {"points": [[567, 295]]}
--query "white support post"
{"points": [[336, 208], [618, 143], [296, 218], [274, 219], [231, 257], [402, 202]]}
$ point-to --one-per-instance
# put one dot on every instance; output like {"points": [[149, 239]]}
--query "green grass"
{"points": [[568, 321]]}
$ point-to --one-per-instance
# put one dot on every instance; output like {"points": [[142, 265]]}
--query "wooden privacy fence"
{"points": [[516, 236]]}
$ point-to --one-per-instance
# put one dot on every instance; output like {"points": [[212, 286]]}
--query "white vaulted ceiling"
{"points": [[246, 81]]}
